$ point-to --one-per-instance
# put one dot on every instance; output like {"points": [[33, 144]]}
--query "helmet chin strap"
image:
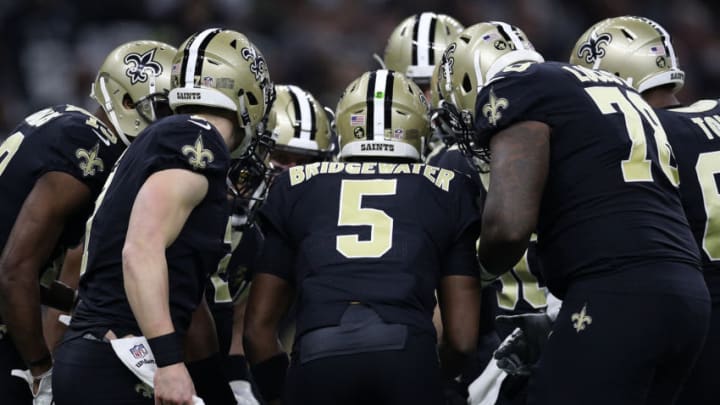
{"points": [[110, 112]]}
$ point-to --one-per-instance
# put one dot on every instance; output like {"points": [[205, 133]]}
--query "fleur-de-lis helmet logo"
{"points": [[198, 156], [140, 65], [89, 160], [447, 60], [593, 49], [257, 62], [492, 109]]}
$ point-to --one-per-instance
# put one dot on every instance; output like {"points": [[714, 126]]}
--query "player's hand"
{"points": [[173, 385], [243, 393], [522, 348], [40, 385]]}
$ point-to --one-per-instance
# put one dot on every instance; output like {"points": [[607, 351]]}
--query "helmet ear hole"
{"points": [[466, 84], [127, 102], [251, 98]]}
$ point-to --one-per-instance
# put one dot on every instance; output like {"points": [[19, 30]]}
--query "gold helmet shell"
{"points": [[382, 114], [130, 84], [223, 69], [636, 49], [479, 53], [299, 122], [416, 44]]}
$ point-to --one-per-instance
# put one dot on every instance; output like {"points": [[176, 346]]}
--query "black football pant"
{"points": [[703, 385], [87, 372], [631, 337], [402, 375], [13, 390]]}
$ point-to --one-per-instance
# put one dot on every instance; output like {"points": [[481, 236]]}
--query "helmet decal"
{"points": [[594, 47], [139, 65], [257, 62]]}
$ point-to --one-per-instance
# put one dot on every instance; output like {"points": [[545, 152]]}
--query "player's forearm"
{"points": [[261, 342], [20, 309], [145, 277]]}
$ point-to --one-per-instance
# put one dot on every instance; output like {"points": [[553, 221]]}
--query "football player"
{"points": [[580, 157], [518, 291], [363, 244], [52, 168], [640, 51], [160, 227], [297, 131]]}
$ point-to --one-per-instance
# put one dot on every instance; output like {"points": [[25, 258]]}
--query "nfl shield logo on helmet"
{"points": [[138, 351]]}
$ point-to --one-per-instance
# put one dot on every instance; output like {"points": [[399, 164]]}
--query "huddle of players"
{"points": [[364, 307]]}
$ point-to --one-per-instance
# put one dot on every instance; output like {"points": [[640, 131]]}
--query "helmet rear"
{"points": [[636, 49], [223, 69], [416, 44], [382, 114]]}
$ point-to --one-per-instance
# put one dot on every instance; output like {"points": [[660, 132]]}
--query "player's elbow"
{"points": [[506, 228], [14, 276], [132, 254]]}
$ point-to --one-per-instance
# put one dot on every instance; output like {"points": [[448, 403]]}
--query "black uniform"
{"points": [[64, 139], [694, 133], [365, 245], [178, 142], [612, 238]]}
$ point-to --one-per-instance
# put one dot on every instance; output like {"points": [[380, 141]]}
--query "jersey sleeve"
{"points": [[460, 258], [277, 257], [276, 207], [193, 147], [519, 93], [78, 151]]}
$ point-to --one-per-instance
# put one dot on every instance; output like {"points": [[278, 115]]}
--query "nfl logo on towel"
{"points": [[138, 351]]}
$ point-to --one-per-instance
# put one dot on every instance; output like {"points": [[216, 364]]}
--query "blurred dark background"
{"points": [[51, 48]]}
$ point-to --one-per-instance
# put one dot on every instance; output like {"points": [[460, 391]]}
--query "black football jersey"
{"points": [[177, 142], [378, 233], [694, 133], [234, 274], [611, 198], [62, 138]]}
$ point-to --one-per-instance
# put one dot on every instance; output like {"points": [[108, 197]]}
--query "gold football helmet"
{"points": [[415, 46], [479, 53], [635, 48], [132, 86], [299, 123], [223, 69], [382, 114]]}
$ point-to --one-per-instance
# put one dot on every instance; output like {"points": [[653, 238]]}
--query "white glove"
{"points": [[243, 393], [43, 396]]}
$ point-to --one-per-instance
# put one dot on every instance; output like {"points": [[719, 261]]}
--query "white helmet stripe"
{"points": [[378, 104], [423, 39], [305, 109], [510, 31], [192, 55], [478, 71]]}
